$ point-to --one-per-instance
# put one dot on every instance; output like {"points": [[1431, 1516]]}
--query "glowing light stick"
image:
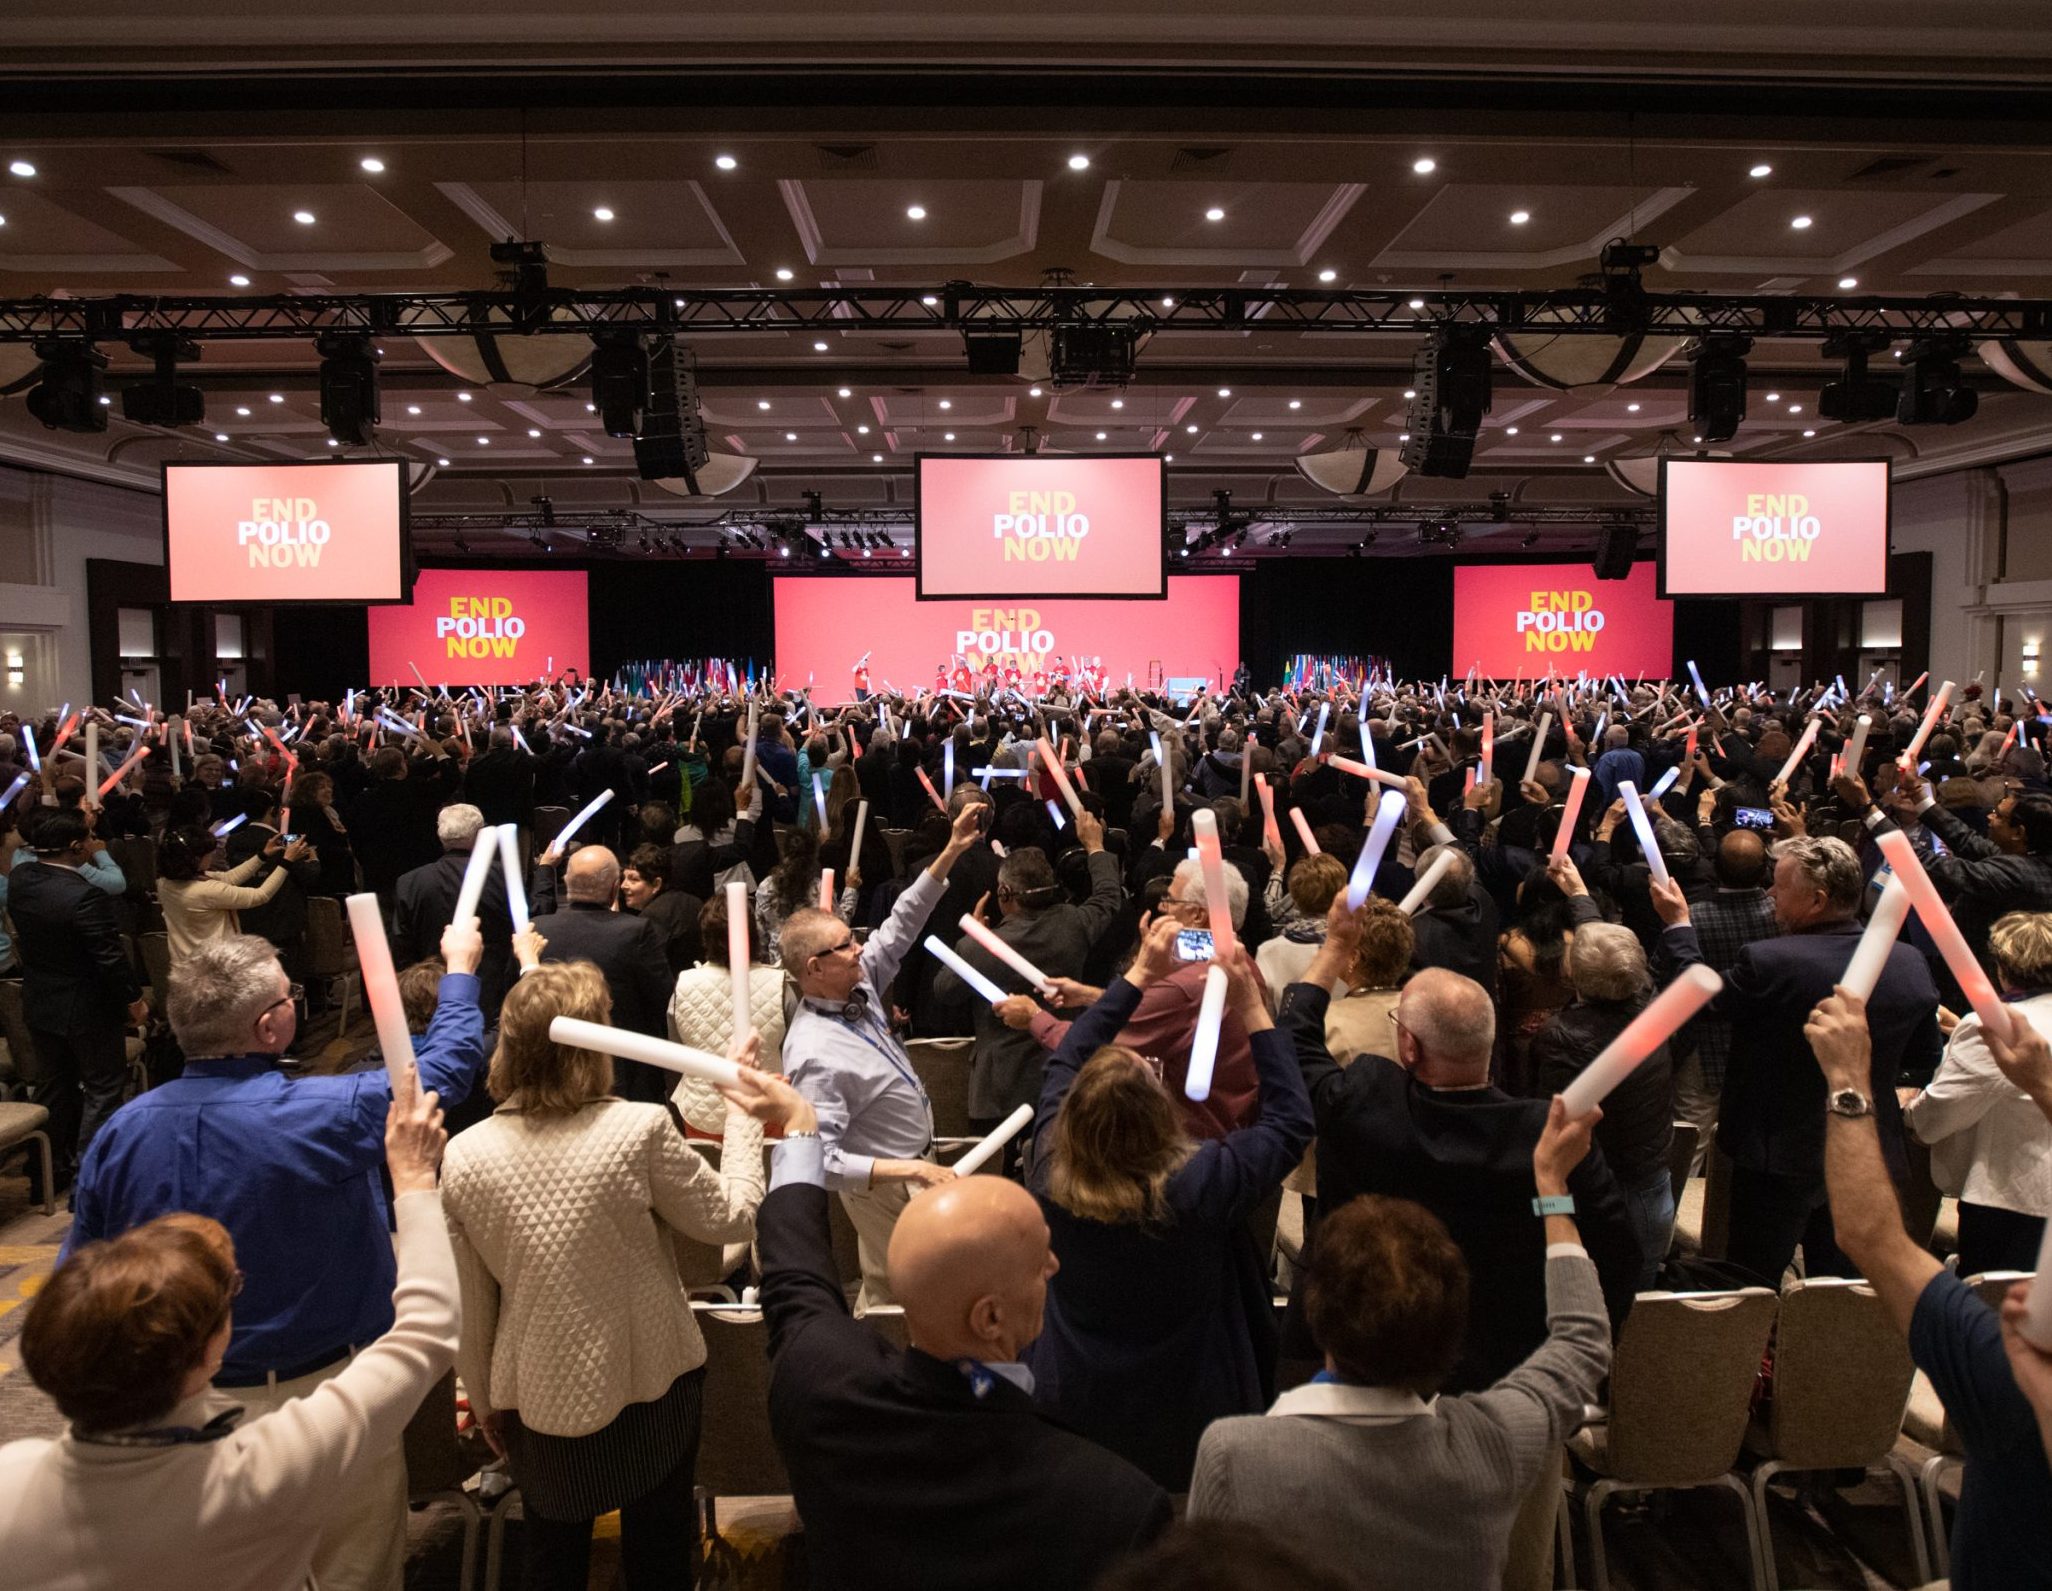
{"points": [[826, 889], [569, 830], [1571, 809], [1204, 1042], [1931, 716], [819, 798], [1642, 825], [1538, 746], [1665, 783], [1489, 745], [934, 795], [1361, 770], [737, 954], [516, 888], [996, 1139], [1913, 684], [1937, 920], [1304, 831], [28, 741], [991, 940], [572, 1034], [861, 823], [381, 990], [1318, 734], [1870, 955], [107, 784], [1696, 674], [483, 848], [230, 825], [20, 783], [1054, 811], [1651, 1028], [1387, 816], [1061, 778], [1427, 882], [1858, 748], [1269, 830], [961, 969], [1795, 757], [1211, 863]]}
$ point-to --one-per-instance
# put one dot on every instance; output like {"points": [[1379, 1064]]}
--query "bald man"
{"points": [[1733, 916], [626, 947], [929, 1468]]}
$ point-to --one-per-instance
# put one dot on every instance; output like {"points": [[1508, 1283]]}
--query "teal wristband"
{"points": [[1554, 1204]]}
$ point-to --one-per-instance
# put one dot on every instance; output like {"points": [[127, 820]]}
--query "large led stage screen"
{"points": [[1513, 620], [1009, 526], [278, 533], [824, 626], [484, 627], [1738, 528]]}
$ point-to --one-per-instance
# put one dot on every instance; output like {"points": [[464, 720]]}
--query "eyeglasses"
{"points": [[835, 950], [294, 993]]}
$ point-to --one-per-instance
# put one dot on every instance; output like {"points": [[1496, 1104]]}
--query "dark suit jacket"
{"points": [[500, 784], [282, 919], [629, 950], [1459, 938], [77, 974], [906, 1479], [393, 824], [427, 903], [1466, 1155], [1772, 1113]]}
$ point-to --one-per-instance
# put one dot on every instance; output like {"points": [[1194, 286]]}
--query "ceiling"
{"points": [[171, 158]]}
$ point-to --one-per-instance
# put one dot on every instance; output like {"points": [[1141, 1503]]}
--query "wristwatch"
{"points": [[1849, 1102]]}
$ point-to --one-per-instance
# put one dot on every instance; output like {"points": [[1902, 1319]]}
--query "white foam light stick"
{"points": [[28, 741], [1642, 825], [1211, 863], [992, 1142], [230, 825], [826, 889], [1796, 756], [1538, 746], [1937, 920], [1428, 881], [991, 940], [1168, 792], [1053, 760], [819, 798], [1932, 714], [861, 823], [961, 969], [1858, 746], [573, 1034], [381, 990], [1204, 1042], [482, 849], [1318, 734], [1387, 815], [1571, 809], [1665, 783], [516, 887], [1304, 831], [92, 751], [1268, 828], [1645, 1033], [20, 783], [737, 954], [1870, 955], [569, 830]]}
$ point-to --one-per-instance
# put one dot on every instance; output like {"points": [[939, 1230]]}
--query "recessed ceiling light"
{"points": [[1403, 436], [1410, 392], [238, 280], [534, 430], [876, 458], [1588, 458], [1214, 214], [602, 213], [762, 403], [592, 408], [21, 168], [783, 273], [220, 436], [1079, 162], [1557, 436], [1795, 408], [462, 397], [1631, 408], [1328, 275], [1761, 170], [1800, 223], [1424, 165], [947, 403], [303, 217], [1191, 429], [1225, 392], [725, 162], [443, 462], [105, 400], [862, 430], [1118, 403], [1510, 430], [1032, 392], [589, 459], [1417, 303], [1100, 436], [372, 164], [819, 348], [1296, 403], [484, 441], [1809, 433], [1520, 217], [1848, 281], [790, 436], [277, 397], [1773, 397], [1168, 458], [243, 410], [333, 443], [947, 436], [1257, 436], [846, 393], [915, 212], [1167, 302]]}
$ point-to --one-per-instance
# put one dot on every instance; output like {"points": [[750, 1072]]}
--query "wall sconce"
{"points": [[2030, 658], [14, 675]]}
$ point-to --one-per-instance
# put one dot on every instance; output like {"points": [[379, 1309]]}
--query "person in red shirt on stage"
{"points": [[862, 678], [965, 681]]}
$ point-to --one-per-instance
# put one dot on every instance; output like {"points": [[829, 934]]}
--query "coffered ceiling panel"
{"points": [[1219, 223], [609, 219], [897, 222], [309, 227]]}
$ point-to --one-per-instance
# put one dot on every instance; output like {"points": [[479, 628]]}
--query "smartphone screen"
{"points": [[1193, 944], [1753, 818]]}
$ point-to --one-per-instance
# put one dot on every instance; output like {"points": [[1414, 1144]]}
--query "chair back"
{"points": [[436, 1458], [888, 1320], [1927, 1420], [156, 960], [21, 1049], [136, 856], [546, 824], [1717, 1170], [736, 1455], [1681, 1157], [943, 1066], [1681, 1384], [894, 842], [1841, 1376], [329, 949]]}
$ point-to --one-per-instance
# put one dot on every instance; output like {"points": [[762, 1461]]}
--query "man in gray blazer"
{"points": [[1049, 932]]}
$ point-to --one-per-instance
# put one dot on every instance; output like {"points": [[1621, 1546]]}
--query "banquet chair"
{"points": [[331, 954], [1681, 1155], [439, 1465], [1681, 1387], [894, 842], [943, 1066], [22, 1126]]}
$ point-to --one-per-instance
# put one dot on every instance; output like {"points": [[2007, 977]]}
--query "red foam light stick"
{"points": [[1304, 831], [64, 733], [107, 784], [1570, 810], [927, 785], [1211, 862], [1269, 830], [1645, 1033], [1938, 923]]}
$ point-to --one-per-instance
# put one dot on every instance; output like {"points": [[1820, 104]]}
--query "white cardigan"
{"points": [[1989, 1144], [572, 1306], [245, 1511], [198, 911], [702, 1015]]}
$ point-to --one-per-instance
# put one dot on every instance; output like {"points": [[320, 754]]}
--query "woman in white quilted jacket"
{"points": [[578, 1351], [702, 1012]]}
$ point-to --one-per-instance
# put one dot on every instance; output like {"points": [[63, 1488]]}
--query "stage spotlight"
{"points": [[1531, 539], [1451, 382], [1092, 356], [1933, 392], [66, 396], [349, 387], [670, 444], [1717, 385], [621, 381], [1856, 396], [163, 399]]}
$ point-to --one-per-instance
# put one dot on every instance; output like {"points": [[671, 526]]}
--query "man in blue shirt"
{"points": [[2002, 1534], [290, 1166]]}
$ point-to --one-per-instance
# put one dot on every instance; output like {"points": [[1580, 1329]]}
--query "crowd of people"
{"points": [[237, 1341]]}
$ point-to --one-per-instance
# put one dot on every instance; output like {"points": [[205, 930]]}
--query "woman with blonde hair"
{"points": [[579, 1352], [1159, 1320]]}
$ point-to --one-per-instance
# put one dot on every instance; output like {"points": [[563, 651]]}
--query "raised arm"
{"points": [[1227, 1178], [888, 946], [1101, 1023]]}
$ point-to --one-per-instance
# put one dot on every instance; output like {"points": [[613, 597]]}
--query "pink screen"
{"points": [[483, 627], [824, 625], [1044, 527], [1521, 619], [1742, 529], [285, 532]]}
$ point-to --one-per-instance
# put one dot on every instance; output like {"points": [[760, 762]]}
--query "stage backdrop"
{"points": [[824, 625], [1522, 619], [483, 627]]}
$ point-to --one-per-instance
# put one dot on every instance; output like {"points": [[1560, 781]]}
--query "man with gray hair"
{"points": [[1771, 1111], [426, 901], [289, 1165], [1456, 926]]}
